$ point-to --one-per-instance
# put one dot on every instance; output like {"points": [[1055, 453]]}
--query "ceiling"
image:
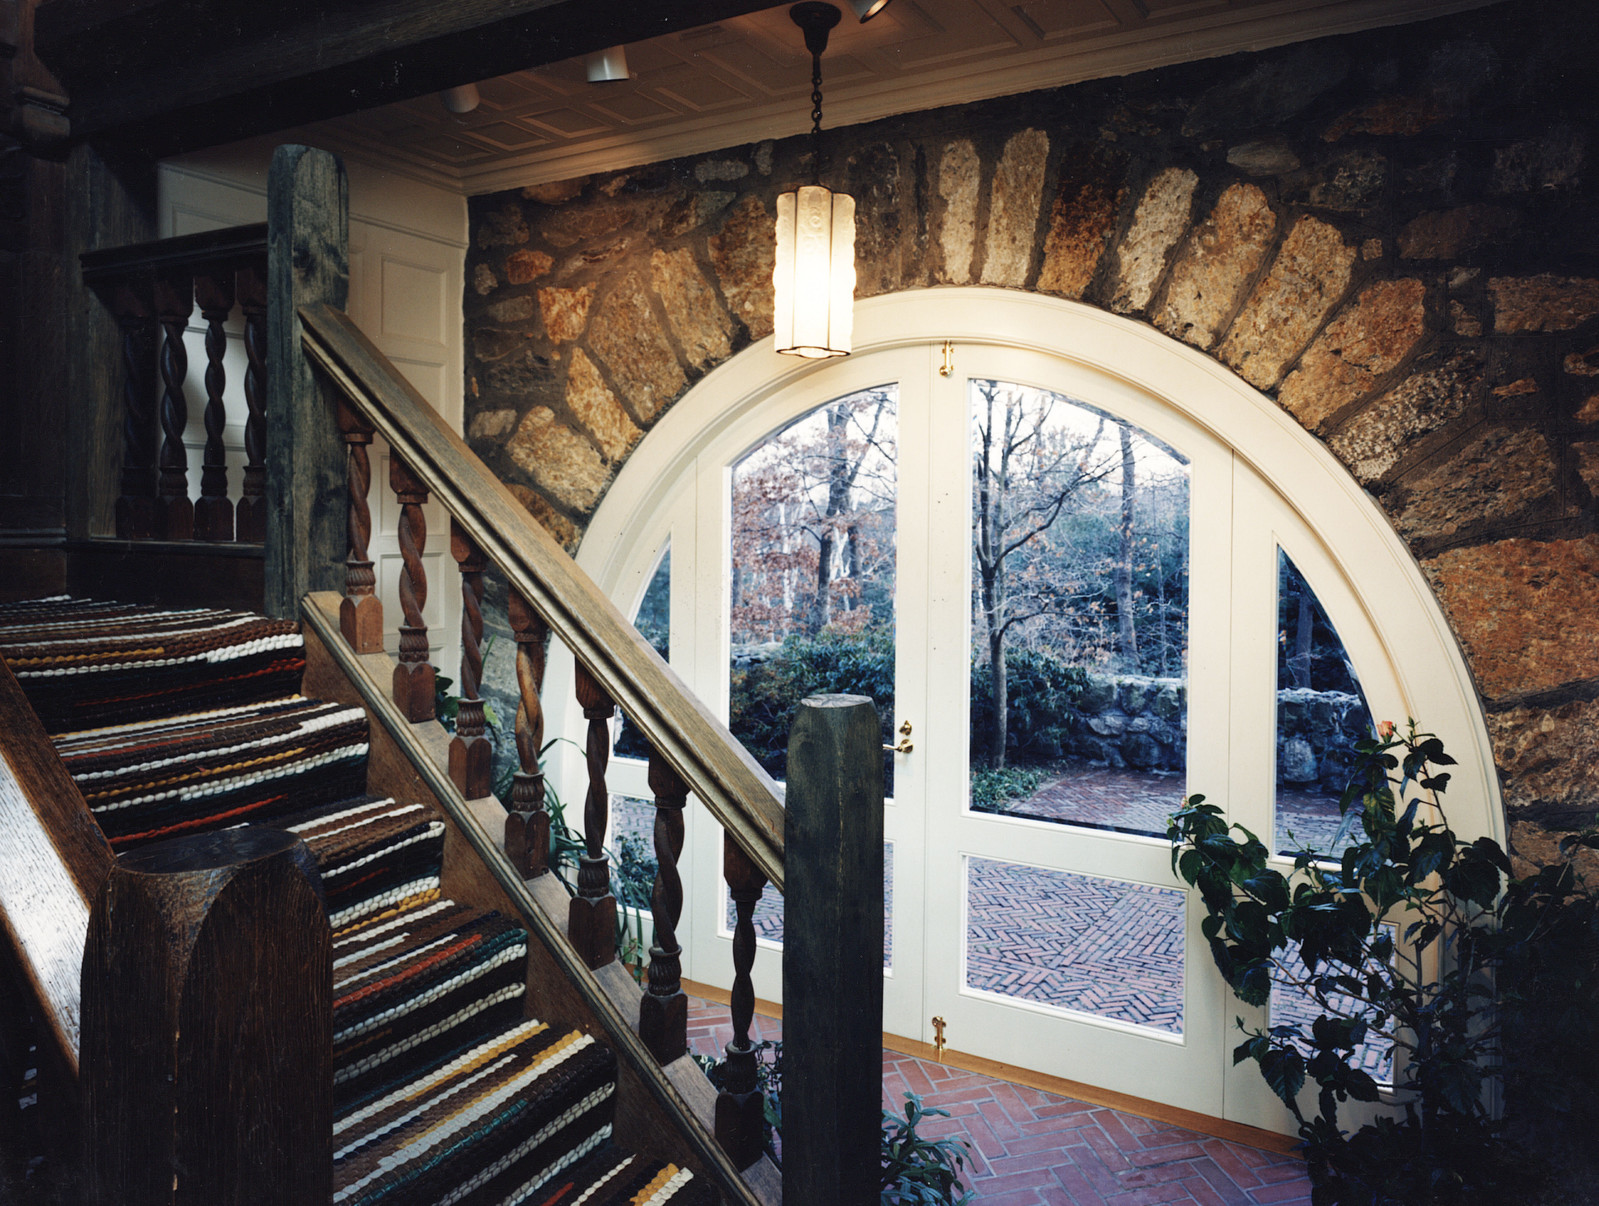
{"points": [[747, 78]]}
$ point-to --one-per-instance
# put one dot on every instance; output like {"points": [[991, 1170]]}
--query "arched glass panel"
{"points": [[1321, 713]]}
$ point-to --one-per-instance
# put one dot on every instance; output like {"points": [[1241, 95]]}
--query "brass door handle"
{"points": [[904, 746]]}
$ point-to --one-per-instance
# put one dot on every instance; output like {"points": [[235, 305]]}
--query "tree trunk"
{"points": [[999, 732], [1126, 631], [1299, 664]]}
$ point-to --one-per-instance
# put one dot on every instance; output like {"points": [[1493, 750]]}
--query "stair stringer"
{"points": [[660, 1111]]}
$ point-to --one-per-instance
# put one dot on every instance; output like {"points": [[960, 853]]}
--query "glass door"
{"points": [[1077, 553]]}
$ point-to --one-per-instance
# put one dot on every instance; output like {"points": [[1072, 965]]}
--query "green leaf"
{"points": [[1284, 1070]]}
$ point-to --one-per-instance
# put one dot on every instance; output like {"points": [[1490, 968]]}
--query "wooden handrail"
{"points": [[737, 791], [208, 250], [56, 861]]}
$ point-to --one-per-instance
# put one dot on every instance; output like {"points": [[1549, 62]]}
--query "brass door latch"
{"points": [[904, 746], [947, 369], [938, 1038]]}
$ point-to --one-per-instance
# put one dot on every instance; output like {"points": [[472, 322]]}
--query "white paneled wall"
{"points": [[407, 248]]}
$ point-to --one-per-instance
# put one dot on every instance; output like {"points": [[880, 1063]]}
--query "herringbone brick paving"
{"points": [[1031, 1148]]}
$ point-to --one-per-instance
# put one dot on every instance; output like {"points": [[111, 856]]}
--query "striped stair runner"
{"points": [[180, 722]]}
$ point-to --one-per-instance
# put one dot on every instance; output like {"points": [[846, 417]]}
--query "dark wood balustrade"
{"points": [[153, 289]]}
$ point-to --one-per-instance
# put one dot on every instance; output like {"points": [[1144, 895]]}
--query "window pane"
{"points": [[1294, 1006], [1321, 713], [812, 573], [1100, 946], [1079, 613], [654, 622]]}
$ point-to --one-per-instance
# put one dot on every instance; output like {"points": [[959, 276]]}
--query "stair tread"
{"points": [[444, 1093]]}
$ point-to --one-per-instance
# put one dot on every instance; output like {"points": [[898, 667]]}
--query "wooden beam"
{"points": [[833, 953], [308, 261], [164, 77]]}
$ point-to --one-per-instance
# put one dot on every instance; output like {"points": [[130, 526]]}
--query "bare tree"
{"points": [[1026, 472], [1127, 631]]}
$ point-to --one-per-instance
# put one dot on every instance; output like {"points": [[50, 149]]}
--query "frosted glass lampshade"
{"points": [[813, 280]]}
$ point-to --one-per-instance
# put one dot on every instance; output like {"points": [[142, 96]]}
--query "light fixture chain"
{"points": [[816, 118]]}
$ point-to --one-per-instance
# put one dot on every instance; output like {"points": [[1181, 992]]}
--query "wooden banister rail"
{"points": [[55, 862], [698, 747]]}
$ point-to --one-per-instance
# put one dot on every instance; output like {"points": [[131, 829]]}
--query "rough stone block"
{"points": [[555, 192], [742, 254], [1587, 454], [703, 328], [1497, 474], [1523, 610], [1263, 157], [490, 424], [1364, 343], [525, 265], [1013, 207], [1349, 183], [627, 336], [565, 312], [1542, 303], [1276, 88], [502, 227], [484, 281], [1158, 222], [1553, 161], [1392, 116], [561, 463], [1448, 233], [884, 262], [596, 407], [1305, 282], [1377, 438], [566, 533], [1216, 266], [1082, 220], [520, 373], [958, 172], [512, 309], [1546, 762]]}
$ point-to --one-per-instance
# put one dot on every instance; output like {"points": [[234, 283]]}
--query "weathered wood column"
{"points": [[208, 1026], [833, 953], [307, 261]]}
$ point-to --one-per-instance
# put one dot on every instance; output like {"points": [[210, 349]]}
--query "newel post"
{"points": [[833, 953], [207, 1026], [308, 223]]}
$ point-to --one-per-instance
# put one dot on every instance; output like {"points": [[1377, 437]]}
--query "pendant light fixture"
{"points": [[813, 279]]}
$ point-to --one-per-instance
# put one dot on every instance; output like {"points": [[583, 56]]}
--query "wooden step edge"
{"points": [[680, 1090]]}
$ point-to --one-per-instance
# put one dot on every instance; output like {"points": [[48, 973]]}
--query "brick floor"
{"points": [[1031, 1148]]}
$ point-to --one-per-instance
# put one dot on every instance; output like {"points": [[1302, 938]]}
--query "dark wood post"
{"points": [[471, 753], [527, 825], [663, 1011], [739, 1108], [250, 516], [833, 953], [213, 514], [591, 917], [174, 302], [208, 1026], [360, 611], [307, 261], [413, 676], [133, 302]]}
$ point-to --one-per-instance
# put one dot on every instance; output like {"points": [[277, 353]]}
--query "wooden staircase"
{"points": [[443, 1088]]}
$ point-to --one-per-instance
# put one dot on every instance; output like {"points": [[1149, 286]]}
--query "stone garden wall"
{"points": [[1393, 234]]}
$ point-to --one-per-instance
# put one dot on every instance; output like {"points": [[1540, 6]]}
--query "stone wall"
{"points": [[1394, 234]]}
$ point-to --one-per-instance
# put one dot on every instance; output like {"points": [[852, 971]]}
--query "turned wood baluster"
{"points": [[360, 611], [739, 1105], [591, 919], [213, 514], [471, 754], [413, 677], [134, 306], [250, 517], [527, 825], [663, 1012], [174, 299]]}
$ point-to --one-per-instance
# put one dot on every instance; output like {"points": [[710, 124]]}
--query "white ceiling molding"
{"points": [[740, 82]]}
